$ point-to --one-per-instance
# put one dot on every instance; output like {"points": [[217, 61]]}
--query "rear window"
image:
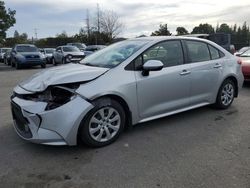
{"points": [[215, 54], [197, 51]]}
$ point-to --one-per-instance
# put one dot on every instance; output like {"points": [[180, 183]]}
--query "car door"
{"points": [[206, 67], [168, 89]]}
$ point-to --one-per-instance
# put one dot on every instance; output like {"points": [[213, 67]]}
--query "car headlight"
{"points": [[69, 57], [42, 56], [20, 57], [54, 96]]}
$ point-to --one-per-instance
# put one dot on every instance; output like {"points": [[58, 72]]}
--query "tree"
{"points": [[181, 31], [16, 34], [7, 20], [163, 31], [224, 28], [110, 24], [203, 29], [62, 35]]}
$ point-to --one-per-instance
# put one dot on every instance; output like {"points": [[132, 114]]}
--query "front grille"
{"points": [[32, 56], [21, 123]]}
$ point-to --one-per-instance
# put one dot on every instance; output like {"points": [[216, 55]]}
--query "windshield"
{"points": [[115, 54], [246, 53], [70, 49], [26, 49], [79, 45], [244, 49], [49, 51], [4, 50]]}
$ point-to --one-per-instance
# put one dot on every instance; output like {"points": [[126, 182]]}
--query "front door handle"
{"points": [[185, 72], [217, 65]]}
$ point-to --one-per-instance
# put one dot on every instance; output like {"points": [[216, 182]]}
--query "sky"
{"points": [[139, 17]]}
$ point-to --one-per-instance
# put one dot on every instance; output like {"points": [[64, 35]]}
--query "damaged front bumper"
{"points": [[58, 126]]}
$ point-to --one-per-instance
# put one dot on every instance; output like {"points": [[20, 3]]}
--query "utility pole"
{"points": [[98, 23], [35, 33], [98, 18], [87, 23]]}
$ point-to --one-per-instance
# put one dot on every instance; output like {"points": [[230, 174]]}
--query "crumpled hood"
{"points": [[64, 74]]}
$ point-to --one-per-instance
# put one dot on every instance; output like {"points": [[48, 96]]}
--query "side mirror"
{"points": [[151, 65]]}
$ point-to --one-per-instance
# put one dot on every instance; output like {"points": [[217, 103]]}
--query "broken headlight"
{"points": [[55, 96]]}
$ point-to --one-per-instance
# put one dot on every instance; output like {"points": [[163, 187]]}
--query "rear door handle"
{"points": [[184, 72], [217, 65]]}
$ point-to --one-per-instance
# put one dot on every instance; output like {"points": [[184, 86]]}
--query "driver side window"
{"points": [[169, 53]]}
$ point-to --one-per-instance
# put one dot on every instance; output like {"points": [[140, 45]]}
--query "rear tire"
{"points": [[225, 95], [103, 124], [54, 61], [18, 66], [12, 63]]}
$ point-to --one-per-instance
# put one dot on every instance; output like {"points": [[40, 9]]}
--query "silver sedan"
{"points": [[129, 82]]}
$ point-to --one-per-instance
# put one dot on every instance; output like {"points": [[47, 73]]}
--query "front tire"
{"points": [[103, 124], [43, 65], [226, 94]]}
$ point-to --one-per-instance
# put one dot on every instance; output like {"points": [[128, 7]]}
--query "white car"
{"points": [[2, 52], [67, 54]]}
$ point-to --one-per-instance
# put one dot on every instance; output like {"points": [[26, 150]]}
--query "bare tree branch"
{"points": [[110, 23]]}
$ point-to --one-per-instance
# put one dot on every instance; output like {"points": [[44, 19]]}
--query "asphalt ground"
{"points": [[199, 148]]}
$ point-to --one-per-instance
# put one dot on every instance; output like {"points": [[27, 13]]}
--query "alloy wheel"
{"points": [[104, 124], [227, 94]]}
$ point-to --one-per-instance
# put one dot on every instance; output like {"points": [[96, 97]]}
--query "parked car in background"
{"points": [[80, 46], [129, 82], [48, 52], [67, 54], [245, 58], [27, 55], [94, 48], [242, 50], [6, 57], [2, 52]]}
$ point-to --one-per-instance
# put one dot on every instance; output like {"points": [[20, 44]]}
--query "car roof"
{"points": [[25, 45], [161, 38]]}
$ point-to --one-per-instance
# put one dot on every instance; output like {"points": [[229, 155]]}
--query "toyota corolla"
{"points": [[127, 83]]}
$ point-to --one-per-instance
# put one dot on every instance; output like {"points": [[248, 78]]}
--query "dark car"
{"points": [[94, 48], [27, 55]]}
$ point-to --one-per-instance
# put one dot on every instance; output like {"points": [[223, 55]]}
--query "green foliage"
{"points": [[7, 20], [203, 29], [163, 31], [17, 39], [181, 31], [224, 28]]}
